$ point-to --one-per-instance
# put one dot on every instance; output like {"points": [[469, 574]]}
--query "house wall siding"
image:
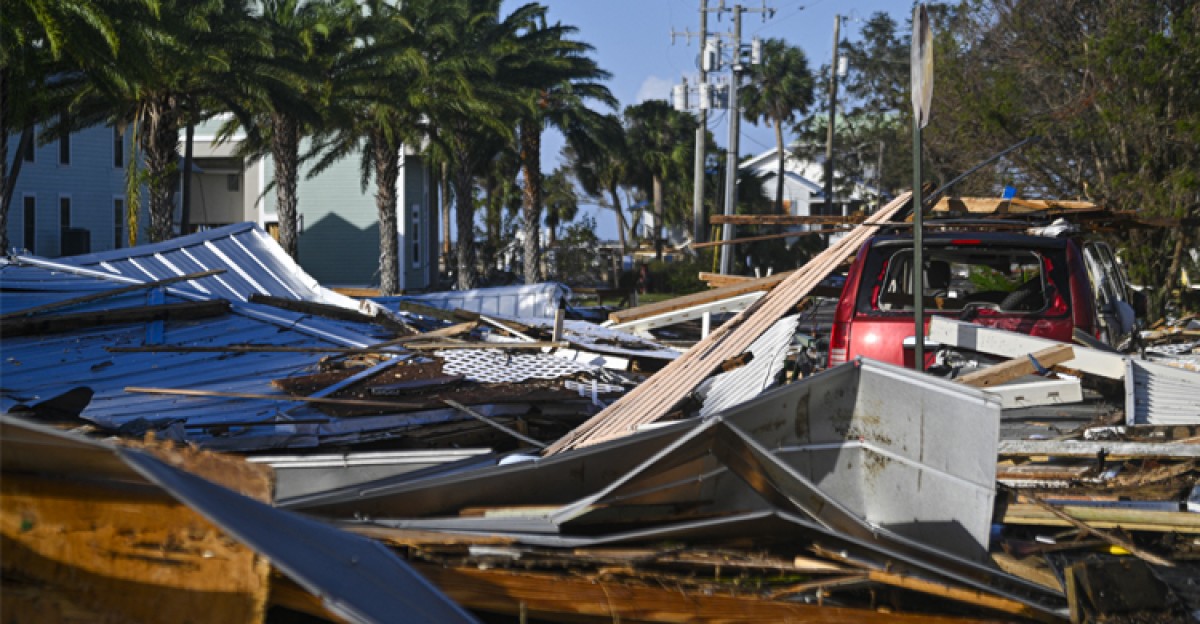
{"points": [[90, 180]]}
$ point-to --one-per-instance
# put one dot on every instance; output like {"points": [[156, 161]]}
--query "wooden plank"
{"points": [[1032, 569], [273, 397], [763, 237], [958, 594], [1106, 518], [38, 325], [700, 298], [107, 294], [781, 219], [1019, 366], [491, 423], [253, 349], [326, 310], [558, 598], [1104, 535], [996, 205], [134, 553], [1085, 448], [503, 346], [659, 395]]}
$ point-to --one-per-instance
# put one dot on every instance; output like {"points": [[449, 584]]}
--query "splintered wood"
{"points": [[128, 553], [657, 396]]}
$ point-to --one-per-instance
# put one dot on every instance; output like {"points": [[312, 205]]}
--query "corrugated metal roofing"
{"points": [[1157, 394], [742, 384], [253, 263], [517, 302], [39, 367]]}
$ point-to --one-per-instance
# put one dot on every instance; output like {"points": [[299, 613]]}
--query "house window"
{"points": [[118, 222], [64, 212], [30, 149], [118, 148], [232, 182], [30, 223], [415, 237], [64, 143]]}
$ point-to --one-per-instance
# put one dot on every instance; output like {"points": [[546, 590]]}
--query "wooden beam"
{"points": [[491, 423], [558, 598], [660, 395], [504, 346], [134, 554], [1113, 449], [755, 239], [1032, 569], [107, 294], [1019, 366], [700, 298], [958, 594], [325, 310], [779, 219], [1104, 535], [272, 397], [996, 205], [38, 325], [1105, 518]]}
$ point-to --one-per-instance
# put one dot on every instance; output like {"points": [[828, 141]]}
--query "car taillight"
{"points": [[839, 343]]}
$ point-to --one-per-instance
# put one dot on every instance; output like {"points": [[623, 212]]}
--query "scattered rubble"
{"points": [[477, 451]]}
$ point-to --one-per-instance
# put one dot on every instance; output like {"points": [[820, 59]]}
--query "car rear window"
{"points": [[961, 278]]}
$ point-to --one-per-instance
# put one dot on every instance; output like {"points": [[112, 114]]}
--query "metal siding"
{"points": [[1161, 395], [340, 241], [90, 180]]}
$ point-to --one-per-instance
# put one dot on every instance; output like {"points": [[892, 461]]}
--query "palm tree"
{"points": [[477, 75], [41, 39], [378, 94], [568, 79], [183, 59], [604, 170], [780, 88], [305, 37], [662, 141], [500, 194], [561, 202]]}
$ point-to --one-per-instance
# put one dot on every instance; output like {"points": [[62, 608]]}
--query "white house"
{"points": [[803, 185]]}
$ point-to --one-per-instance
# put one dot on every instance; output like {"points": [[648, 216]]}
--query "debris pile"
{"points": [[478, 454]]}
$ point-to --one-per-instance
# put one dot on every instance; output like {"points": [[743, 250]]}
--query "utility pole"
{"points": [[731, 155], [710, 60], [833, 87], [698, 225]]}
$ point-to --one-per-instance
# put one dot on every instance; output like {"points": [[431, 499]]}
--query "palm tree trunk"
{"points": [[621, 225], [285, 151], [444, 196], [160, 147], [659, 215], [531, 210], [464, 221], [491, 220], [387, 172], [782, 158]]}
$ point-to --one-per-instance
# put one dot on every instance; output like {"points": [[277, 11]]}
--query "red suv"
{"points": [[1030, 284]]}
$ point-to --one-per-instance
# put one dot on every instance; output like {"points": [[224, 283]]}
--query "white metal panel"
{"points": [[1012, 344], [1030, 394], [1161, 395]]}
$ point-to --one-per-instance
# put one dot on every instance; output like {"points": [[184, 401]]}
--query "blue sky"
{"points": [[633, 42]]}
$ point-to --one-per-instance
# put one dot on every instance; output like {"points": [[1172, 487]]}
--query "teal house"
{"points": [[339, 227]]}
